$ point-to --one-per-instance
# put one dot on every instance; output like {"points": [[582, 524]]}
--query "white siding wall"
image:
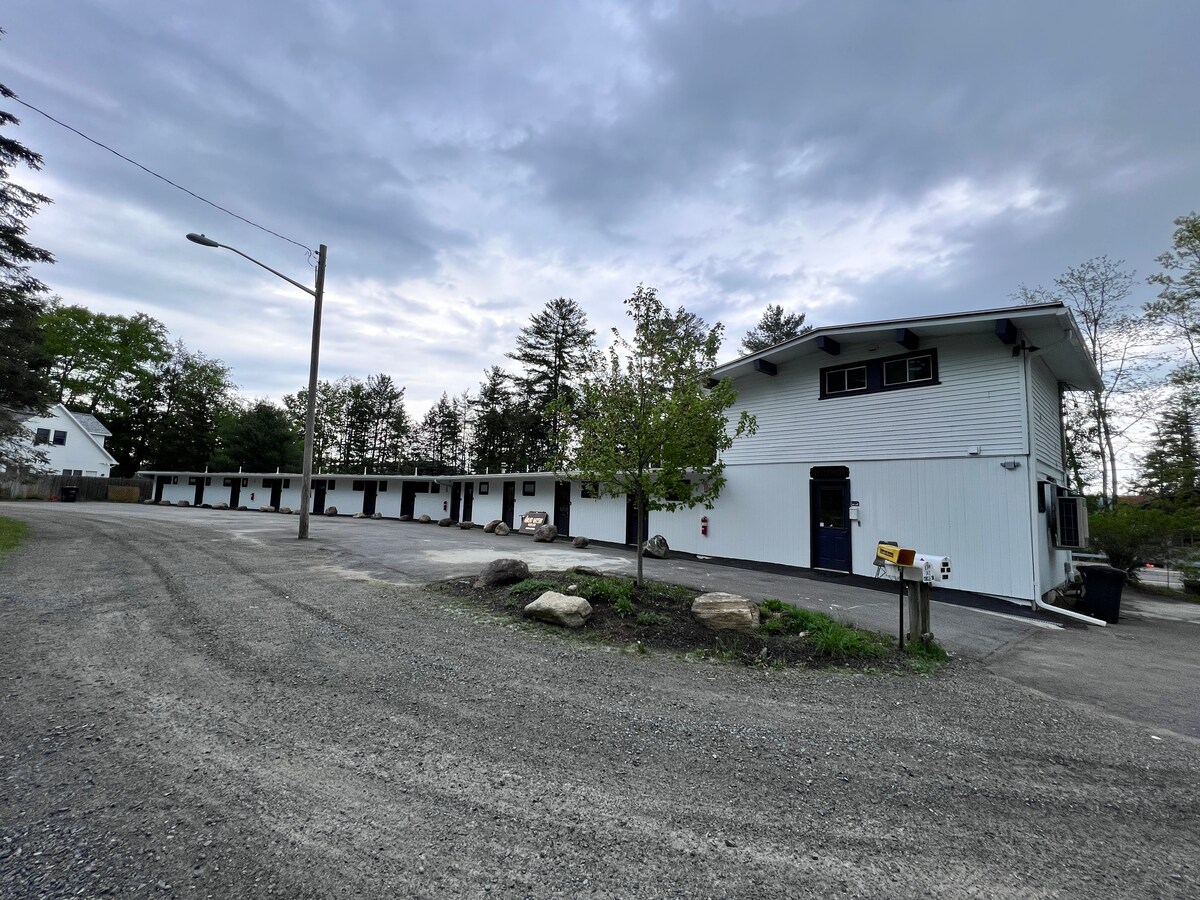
{"points": [[978, 403], [1047, 415], [488, 506], [600, 518], [79, 452]]}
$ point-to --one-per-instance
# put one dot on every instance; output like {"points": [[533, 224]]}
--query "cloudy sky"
{"points": [[465, 162]]}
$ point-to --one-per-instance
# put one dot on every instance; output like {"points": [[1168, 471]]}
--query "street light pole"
{"points": [[318, 295]]}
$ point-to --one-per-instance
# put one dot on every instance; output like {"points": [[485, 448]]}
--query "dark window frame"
{"points": [[484, 487], [528, 488], [42, 436], [60, 438], [874, 370]]}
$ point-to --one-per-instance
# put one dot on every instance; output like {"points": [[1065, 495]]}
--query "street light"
{"points": [[317, 294]]}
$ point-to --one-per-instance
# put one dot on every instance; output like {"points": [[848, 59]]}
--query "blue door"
{"points": [[829, 502]]}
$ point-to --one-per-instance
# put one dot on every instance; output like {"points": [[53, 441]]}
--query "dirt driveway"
{"points": [[189, 712]]}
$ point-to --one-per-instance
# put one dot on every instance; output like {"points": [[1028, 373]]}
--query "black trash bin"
{"points": [[1102, 592], [68, 493]]}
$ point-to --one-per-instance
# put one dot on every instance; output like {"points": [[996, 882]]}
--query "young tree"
{"points": [[23, 358], [1170, 471], [774, 328], [1178, 304], [651, 429], [1097, 292], [551, 349], [258, 438]]}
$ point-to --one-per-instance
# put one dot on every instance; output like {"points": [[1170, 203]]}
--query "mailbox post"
{"points": [[916, 573]]}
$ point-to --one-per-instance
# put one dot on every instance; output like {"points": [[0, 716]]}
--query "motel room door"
{"points": [[468, 501], [829, 508], [508, 504]]}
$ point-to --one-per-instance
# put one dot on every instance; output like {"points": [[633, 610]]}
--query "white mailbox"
{"points": [[929, 568]]}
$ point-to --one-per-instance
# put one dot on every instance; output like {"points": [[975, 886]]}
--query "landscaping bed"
{"points": [[658, 617]]}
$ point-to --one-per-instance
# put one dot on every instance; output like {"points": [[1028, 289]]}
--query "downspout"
{"points": [[1039, 603], [1031, 475]]}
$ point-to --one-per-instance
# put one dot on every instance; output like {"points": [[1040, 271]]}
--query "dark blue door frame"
{"points": [[829, 517]]}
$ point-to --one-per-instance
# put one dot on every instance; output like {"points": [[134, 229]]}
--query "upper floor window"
{"points": [[60, 438], [42, 436], [888, 374]]}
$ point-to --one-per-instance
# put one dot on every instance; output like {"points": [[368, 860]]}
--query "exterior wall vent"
{"points": [[1072, 523]]}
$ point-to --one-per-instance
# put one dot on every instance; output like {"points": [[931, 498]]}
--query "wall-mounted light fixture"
{"points": [[1010, 464]]}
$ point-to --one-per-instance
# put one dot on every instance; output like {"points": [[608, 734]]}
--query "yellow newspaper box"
{"points": [[896, 555]]}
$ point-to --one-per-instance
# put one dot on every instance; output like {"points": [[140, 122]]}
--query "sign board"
{"points": [[531, 522]]}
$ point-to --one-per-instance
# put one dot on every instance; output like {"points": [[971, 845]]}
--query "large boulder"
{"points": [[285, 510], [266, 509], [502, 529], [424, 519], [726, 612], [656, 547], [243, 509], [220, 506], [406, 518], [183, 503], [376, 515], [560, 609], [466, 526], [331, 510], [445, 522], [585, 570], [545, 534], [359, 515], [491, 526], [502, 571], [580, 542]]}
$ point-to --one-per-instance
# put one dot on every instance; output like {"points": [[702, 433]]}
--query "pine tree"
{"points": [[1170, 472], [774, 328], [23, 358], [552, 350]]}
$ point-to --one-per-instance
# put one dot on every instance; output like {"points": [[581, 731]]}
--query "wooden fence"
{"points": [[49, 487]]}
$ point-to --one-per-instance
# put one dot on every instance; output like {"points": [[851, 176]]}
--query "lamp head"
{"points": [[202, 240]]}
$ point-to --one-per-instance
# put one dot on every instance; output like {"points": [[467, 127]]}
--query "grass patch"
{"points": [[657, 617], [12, 533]]}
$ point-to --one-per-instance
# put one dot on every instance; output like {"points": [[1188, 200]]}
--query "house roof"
{"points": [[91, 424], [1046, 331]]}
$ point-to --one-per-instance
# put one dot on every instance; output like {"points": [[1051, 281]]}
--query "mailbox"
{"points": [[897, 556]]}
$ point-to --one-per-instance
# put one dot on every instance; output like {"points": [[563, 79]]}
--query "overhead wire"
{"points": [[10, 95]]}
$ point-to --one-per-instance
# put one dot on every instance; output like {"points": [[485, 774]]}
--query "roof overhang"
{"points": [[1046, 331]]}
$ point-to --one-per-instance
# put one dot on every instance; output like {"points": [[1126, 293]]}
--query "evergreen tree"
{"points": [[23, 358], [1170, 471], [1178, 303], [774, 328], [552, 349], [441, 438], [500, 425]]}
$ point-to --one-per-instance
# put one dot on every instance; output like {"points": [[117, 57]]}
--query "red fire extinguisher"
{"points": [[704, 526]]}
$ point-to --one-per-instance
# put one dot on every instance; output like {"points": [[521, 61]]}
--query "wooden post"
{"points": [[919, 595]]}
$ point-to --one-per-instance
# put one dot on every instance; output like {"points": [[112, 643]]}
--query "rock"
{"points": [[446, 522], [285, 510], [406, 518], [220, 506], [491, 526], [183, 503], [331, 510], [377, 515], [585, 570], [424, 519], [502, 571], [149, 502], [560, 609], [580, 542], [165, 503], [726, 612], [502, 529], [359, 515], [545, 534], [266, 509], [656, 547], [206, 506], [243, 509], [466, 526]]}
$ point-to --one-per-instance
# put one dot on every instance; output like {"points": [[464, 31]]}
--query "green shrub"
{"points": [[605, 590], [651, 618], [534, 587], [1131, 536], [623, 607]]}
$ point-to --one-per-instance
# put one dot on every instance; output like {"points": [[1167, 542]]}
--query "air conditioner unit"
{"points": [[1072, 523]]}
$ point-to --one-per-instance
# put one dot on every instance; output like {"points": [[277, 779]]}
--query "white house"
{"points": [[73, 443], [942, 433]]}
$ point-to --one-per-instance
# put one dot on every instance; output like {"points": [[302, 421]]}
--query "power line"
{"points": [[9, 94]]}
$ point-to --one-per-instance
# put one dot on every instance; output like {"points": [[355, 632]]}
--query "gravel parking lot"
{"points": [[195, 711]]}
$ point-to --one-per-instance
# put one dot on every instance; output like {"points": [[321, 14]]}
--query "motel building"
{"points": [[942, 433]]}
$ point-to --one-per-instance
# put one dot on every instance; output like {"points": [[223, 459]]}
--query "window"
{"points": [[42, 436], [483, 487], [382, 486], [287, 483], [60, 438], [889, 374], [435, 488], [528, 489], [420, 487], [843, 381]]}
